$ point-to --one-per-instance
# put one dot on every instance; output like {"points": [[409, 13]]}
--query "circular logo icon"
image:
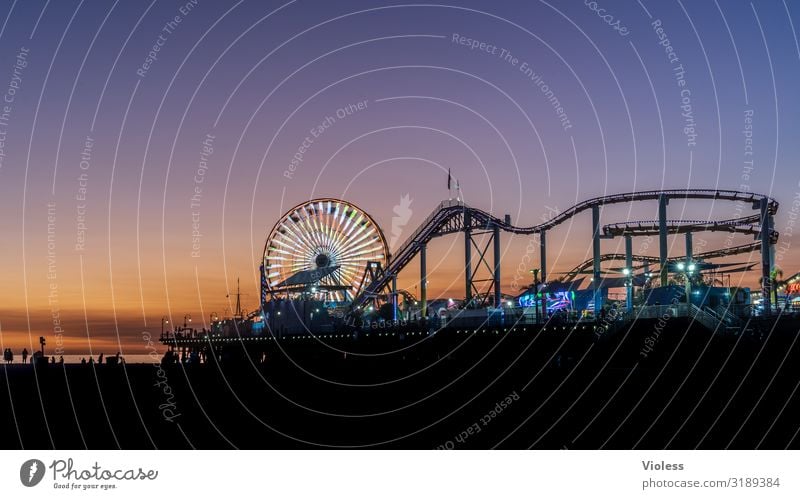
{"points": [[31, 472]]}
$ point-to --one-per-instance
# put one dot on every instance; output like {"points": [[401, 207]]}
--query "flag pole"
{"points": [[449, 185]]}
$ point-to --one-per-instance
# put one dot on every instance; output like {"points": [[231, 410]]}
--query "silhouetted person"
{"points": [[24, 355], [83, 361], [100, 358], [61, 360], [7, 355], [91, 360], [53, 359]]}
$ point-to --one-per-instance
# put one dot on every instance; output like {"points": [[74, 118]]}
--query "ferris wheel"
{"points": [[323, 237]]}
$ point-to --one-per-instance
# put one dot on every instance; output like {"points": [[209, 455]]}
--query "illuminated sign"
{"points": [[559, 300]]}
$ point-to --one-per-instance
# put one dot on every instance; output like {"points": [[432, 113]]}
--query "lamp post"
{"points": [[687, 269], [628, 288], [164, 320], [186, 318]]}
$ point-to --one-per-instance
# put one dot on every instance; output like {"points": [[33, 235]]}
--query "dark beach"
{"points": [[555, 389]]}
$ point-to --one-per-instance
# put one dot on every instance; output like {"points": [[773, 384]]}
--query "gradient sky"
{"points": [[257, 76]]}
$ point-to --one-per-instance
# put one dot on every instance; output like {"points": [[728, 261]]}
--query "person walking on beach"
{"points": [[9, 356], [100, 358], [24, 355]]}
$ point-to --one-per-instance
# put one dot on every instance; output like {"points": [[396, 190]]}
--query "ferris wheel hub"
{"points": [[322, 260]]}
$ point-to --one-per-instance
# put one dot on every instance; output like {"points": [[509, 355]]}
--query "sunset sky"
{"points": [[103, 146]]}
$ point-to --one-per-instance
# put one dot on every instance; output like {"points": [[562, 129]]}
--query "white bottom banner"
{"points": [[402, 474]]}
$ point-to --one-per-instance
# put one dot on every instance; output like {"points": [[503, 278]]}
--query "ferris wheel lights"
{"points": [[324, 233]]}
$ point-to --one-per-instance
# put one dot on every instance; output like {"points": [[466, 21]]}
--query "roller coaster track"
{"points": [[708, 255], [744, 225], [449, 217], [408, 296]]}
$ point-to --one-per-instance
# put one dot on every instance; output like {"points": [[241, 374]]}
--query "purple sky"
{"points": [[113, 138]]}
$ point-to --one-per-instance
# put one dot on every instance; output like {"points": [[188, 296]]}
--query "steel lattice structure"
{"points": [[454, 216]]}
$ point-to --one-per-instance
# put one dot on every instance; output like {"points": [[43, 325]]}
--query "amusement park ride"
{"points": [[331, 251], [327, 274]]}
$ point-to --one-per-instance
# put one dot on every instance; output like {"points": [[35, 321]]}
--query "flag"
{"points": [[448, 179]]}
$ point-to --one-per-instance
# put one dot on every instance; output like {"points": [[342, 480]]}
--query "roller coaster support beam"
{"points": [[688, 275], [498, 299], [423, 279], [629, 266], [766, 263], [663, 200], [394, 297], [689, 255], [543, 261], [596, 259], [468, 257]]}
